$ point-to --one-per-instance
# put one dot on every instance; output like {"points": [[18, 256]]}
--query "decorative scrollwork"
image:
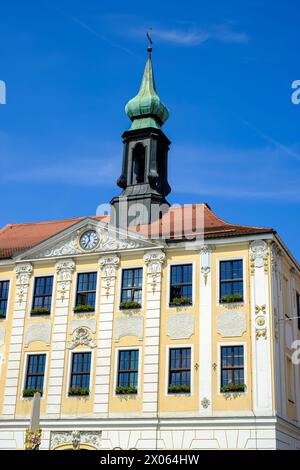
{"points": [[82, 337]]}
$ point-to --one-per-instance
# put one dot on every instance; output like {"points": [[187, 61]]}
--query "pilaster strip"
{"points": [[260, 325], [276, 324], [154, 261], [23, 275], [205, 331], [108, 266], [64, 271]]}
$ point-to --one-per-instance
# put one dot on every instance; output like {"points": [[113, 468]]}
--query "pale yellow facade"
{"points": [[265, 415]]}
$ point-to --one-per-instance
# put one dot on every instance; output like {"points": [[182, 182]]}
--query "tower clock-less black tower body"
{"points": [[144, 178]]}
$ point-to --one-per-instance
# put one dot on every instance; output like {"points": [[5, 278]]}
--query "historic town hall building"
{"points": [[177, 333]]}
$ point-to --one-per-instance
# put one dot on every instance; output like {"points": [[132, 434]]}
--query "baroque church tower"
{"points": [[144, 177]]}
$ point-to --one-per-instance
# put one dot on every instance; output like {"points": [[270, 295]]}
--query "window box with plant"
{"points": [[126, 390], [29, 392], [2, 315], [40, 311], [184, 388], [78, 392], [231, 298], [233, 388], [181, 301], [83, 309], [130, 305]]}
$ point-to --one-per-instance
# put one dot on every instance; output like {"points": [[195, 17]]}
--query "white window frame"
{"points": [[86, 271], [168, 290], [5, 278], [167, 362], [1, 362], [69, 370], [32, 294], [291, 381], [218, 278], [219, 365], [25, 366], [116, 362], [120, 276]]}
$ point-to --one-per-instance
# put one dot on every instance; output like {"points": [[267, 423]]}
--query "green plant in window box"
{"points": [[126, 390], [83, 308], [40, 311], [78, 392], [181, 301], [29, 392], [129, 305], [2, 315], [179, 388], [233, 388], [231, 298]]}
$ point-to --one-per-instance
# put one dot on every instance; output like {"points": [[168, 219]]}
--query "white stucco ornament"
{"points": [[38, 332], [180, 326], [129, 326], [231, 324]]}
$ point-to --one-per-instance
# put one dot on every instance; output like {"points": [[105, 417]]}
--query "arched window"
{"points": [[138, 164]]}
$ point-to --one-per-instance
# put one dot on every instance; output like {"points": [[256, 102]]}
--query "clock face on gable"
{"points": [[89, 240]]}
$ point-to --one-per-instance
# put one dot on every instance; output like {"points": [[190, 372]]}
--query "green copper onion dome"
{"points": [[146, 109]]}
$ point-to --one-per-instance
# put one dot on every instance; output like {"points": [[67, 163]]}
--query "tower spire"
{"points": [[146, 109]]}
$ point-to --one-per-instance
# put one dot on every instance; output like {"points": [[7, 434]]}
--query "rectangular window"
{"points": [[231, 281], [80, 374], [290, 380], [128, 371], [181, 289], [4, 286], [42, 295], [179, 370], [86, 291], [35, 373], [298, 308], [232, 369], [132, 286]]}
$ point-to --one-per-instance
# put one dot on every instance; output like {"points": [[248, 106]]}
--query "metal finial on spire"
{"points": [[149, 48]]}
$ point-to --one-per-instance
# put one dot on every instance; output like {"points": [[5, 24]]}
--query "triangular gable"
{"points": [[66, 243]]}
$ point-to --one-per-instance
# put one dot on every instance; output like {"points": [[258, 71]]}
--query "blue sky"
{"points": [[223, 68]]}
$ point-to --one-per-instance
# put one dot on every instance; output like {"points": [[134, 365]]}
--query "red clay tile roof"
{"points": [[181, 221], [18, 237]]}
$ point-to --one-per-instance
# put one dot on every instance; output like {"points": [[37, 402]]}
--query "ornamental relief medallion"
{"points": [[260, 322], [82, 337]]}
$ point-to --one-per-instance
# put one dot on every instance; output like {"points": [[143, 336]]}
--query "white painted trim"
{"points": [[168, 289], [25, 365], [69, 369], [231, 258], [119, 285], [167, 365], [116, 362], [219, 368]]}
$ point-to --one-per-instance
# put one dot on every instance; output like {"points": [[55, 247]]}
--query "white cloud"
{"points": [[185, 38], [196, 36]]}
